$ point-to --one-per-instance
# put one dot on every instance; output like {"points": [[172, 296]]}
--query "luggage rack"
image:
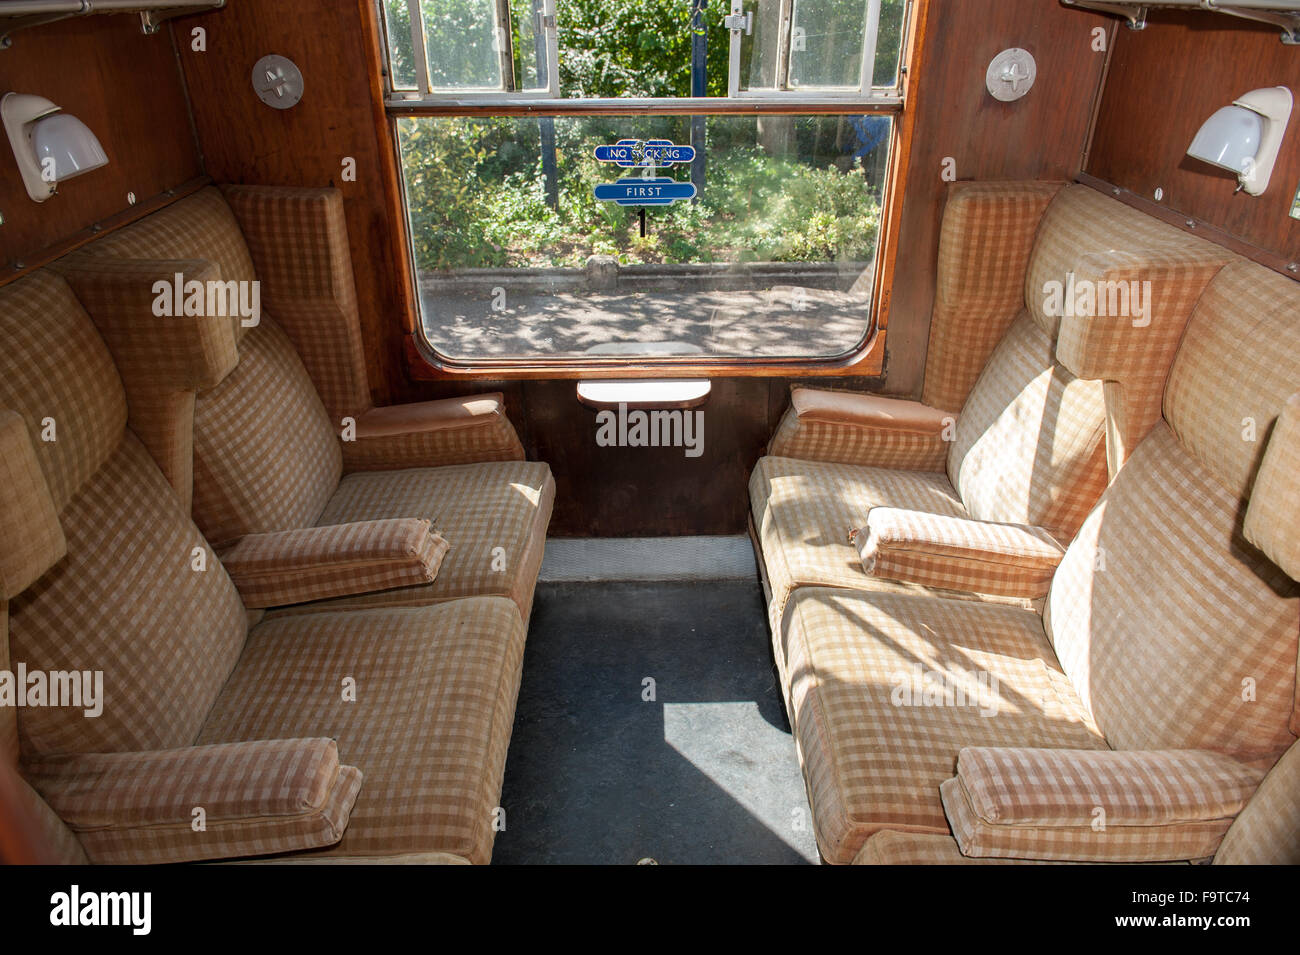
{"points": [[1283, 14], [23, 14]]}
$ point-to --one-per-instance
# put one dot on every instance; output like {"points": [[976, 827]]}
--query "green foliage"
{"points": [[476, 195], [636, 48], [476, 190]]}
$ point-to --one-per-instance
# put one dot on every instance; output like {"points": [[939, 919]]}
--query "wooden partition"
{"points": [[1042, 136], [127, 88], [1168, 79]]}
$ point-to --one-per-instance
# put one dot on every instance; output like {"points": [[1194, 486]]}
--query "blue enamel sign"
{"points": [[638, 154], [636, 191]]}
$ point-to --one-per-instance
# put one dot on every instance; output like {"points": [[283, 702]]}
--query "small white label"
{"points": [[1295, 204]]}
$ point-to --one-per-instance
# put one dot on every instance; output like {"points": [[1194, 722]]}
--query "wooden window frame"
{"points": [[424, 363]]}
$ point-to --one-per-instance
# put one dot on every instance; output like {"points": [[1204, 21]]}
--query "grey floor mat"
{"points": [[706, 773], [648, 558]]}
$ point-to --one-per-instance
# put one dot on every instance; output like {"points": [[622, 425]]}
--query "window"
{"points": [[471, 47], [499, 107]]}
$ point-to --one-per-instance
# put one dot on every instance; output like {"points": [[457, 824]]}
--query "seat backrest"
{"points": [[128, 601], [1033, 439], [31, 541], [266, 455], [1267, 831], [1030, 446], [1175, 630], [985, 241]]}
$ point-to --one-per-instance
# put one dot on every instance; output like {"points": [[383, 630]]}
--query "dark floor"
{"points": [[706, 773]]}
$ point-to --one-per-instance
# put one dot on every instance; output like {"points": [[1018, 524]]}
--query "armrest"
{"points": [[868, 411], [202, 802], [956, 553], [431, 434], [1094, 805], [864, 429], [314, 563]]}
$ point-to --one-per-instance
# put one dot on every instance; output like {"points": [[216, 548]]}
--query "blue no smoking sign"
{"points": [[638, 154], [649, 190]]}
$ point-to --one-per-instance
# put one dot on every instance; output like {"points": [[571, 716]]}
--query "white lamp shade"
{"points": [[1229, 139], [69, 142]]}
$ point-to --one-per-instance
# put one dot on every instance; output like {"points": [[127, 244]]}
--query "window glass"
{"points": [[774, 258], [401, 58], [529, 45], [889, 42], [826, 43], [463, 44]]}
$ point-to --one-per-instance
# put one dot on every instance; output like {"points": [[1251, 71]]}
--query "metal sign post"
{"points": [[647, 189]]}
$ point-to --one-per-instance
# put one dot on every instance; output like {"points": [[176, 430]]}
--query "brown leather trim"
{"points": [[868, 411], [444, 414]]}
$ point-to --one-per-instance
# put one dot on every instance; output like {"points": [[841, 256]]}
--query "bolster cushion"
{"points": [[1124, 316], [165, 350], [1010, 560], [202, 802], [432, 434], [1271, 522], [1094, 805], [863, 429], [316, 563], [157, 346]]}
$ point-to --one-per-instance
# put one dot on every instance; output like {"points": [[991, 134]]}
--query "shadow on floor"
{"points": [[705, 773], [761, 323]]}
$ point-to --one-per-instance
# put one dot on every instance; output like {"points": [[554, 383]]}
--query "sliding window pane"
{"points": [[401, 55], [637, 48], [889, 43], [529, 44], [758, 49], [462, 43], [826, 43]]}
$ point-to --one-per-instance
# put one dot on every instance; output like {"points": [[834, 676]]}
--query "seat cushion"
{"points": [[434, 690], [889, 847], [874, 743], [803, 512], [478, 508]]}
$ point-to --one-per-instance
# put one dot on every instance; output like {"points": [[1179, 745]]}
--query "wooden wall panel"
{"points": [[1041, 136], [1164, 82], [646, 492], [245, 141], [126, 87]]}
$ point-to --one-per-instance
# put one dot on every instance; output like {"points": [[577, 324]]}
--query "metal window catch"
{"points": [[740, 21]]}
